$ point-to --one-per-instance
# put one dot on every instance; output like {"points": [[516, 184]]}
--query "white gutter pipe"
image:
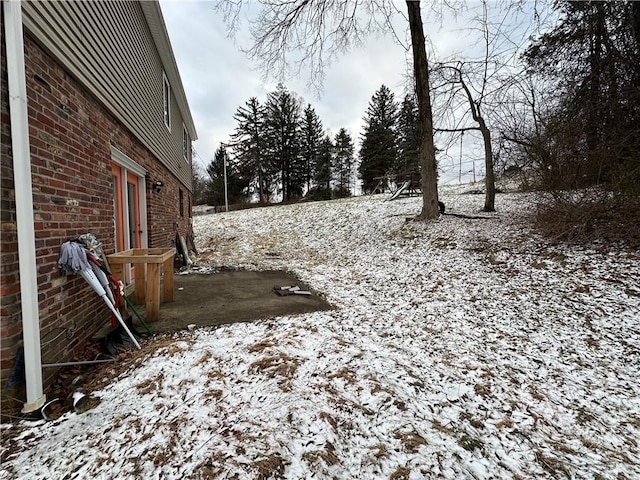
{"points": [[24, 204]]}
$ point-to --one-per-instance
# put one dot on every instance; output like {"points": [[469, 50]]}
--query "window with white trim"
{"points": [[166, 101]]}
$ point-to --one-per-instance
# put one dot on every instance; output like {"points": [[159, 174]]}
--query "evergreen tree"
{"points": [[378, 151], [282, 128], [236, 185], [343, 163], [249, 143], [322, 171], [408, 137], [215, 185], [311, 137]]}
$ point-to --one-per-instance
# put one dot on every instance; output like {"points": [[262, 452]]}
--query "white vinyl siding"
{"points": [[120, 52], [186, 145], [166, 101]]}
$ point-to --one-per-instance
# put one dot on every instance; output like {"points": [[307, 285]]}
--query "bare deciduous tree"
{"points": [[426, 147], [454, 76], [473, 91]]}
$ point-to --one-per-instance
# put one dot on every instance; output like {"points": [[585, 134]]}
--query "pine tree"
{"points": [[408, 137], [248, 143], [343, 163], [282, 127], [311, 137], [322, 171], [236, 185], [379, 150]]}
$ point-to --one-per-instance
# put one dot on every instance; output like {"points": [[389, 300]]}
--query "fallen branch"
{"points": [[459, 215], [470, 217]]}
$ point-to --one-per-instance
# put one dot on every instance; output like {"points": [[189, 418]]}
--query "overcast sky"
{"points": [[218, 78]]}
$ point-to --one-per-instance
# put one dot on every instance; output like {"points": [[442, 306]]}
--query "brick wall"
{"points": [[71, 136]]}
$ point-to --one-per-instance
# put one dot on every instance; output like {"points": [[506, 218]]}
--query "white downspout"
{"points": [[24, 204]]}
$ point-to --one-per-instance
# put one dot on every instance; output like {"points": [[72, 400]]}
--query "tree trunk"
{"points": [[426, 148], [490, 181], [285, 181], [261, 186]]}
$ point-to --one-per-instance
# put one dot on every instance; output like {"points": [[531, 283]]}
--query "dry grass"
{"points": [[377, 387], [561, 447], [215, 394], [330, 420], [583, 221], [411, 441], [551, 464], [592, 342], [482, 389], [401, 473], [149, 385], [470, 443], [345, 374], [505, 423], [536, 394], [279, 365], [380, 451], [327, 455], [442, 428], [261, 346], [208, 472], [206, 356], [271, 467]]}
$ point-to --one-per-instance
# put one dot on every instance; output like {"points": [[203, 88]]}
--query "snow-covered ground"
{"points": [[458, 349]]}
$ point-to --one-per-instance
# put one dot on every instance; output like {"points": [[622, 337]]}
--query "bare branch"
{"points": [[294, 35], [457, 130]]}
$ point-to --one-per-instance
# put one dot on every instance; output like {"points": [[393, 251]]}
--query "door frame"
{"points": [[125, 170], [136, 229]]}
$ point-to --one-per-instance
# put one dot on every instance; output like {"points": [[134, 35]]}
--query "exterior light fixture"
{"points": [[157, 185]]}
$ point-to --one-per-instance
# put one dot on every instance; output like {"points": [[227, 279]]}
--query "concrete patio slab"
{"points": [[232, 296]]}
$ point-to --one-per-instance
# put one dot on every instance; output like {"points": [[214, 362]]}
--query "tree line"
{"points": [[281, 151]]}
